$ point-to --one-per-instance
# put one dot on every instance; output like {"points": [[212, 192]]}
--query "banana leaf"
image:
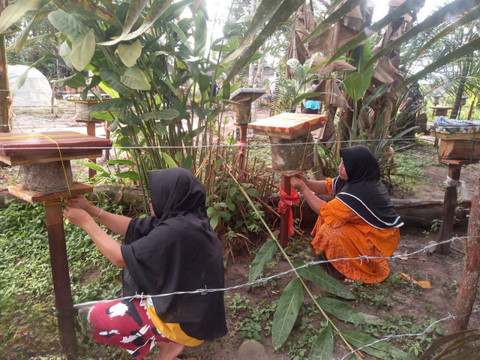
{"points": [[287, 311]]}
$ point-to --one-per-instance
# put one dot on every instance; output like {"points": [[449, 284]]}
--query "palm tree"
{"points": [[397, 29]]}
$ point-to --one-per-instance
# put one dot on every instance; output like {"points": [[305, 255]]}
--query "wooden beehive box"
{"points": [[290, 139], [82, 106], [243, 98], [44, 160], [458, 143]]}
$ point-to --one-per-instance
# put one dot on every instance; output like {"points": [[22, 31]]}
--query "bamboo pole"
{"points": [[5, 99]]}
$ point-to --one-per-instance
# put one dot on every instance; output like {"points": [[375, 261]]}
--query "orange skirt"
{"points": [[342, 234]]}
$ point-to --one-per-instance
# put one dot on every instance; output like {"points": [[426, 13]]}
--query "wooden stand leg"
{"points": [[91, 132], [107, 136], [61, 278], [284, 217], [449, 206], [243, 141]]}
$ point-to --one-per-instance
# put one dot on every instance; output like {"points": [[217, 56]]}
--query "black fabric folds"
{"points": [[363, 192], [177, 250]]}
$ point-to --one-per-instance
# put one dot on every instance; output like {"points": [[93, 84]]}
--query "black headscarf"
{"points": [[177, 250], [363, 192]]}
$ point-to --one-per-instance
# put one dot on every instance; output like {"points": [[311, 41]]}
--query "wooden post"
{"points": [[243, 118], [284, 217], [471, 268], [106, 126], [449, 206], [91, 132], [5, 99], [61, 278]]}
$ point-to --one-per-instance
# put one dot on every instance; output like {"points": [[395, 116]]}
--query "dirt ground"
{"points": [[401, 299]]}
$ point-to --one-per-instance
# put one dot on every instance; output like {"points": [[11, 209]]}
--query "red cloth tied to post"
{"points": [[241, 147], [285, 205]]}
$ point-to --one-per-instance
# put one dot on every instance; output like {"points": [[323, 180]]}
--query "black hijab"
{"points": [[177, 250], [363, 192]]}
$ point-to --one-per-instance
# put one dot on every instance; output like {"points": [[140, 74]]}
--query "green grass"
{"points": [[410, 165], [28, 324]]}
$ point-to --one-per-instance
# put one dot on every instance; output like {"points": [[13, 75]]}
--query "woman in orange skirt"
{"points": [[359, 221]]}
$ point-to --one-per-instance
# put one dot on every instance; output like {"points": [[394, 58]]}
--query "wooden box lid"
{"points": [[34, 148], [288, 125], [456, 132], [440, 107], [247, 94]]}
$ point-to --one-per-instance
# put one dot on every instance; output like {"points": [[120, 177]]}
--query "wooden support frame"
{"points": [[37, 148]]}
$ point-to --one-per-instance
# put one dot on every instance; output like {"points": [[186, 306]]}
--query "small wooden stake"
{"points": [[61, 278]]}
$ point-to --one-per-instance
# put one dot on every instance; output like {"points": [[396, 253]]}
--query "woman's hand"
{"points": [[298, 183], [80, 202], [76, 216]]}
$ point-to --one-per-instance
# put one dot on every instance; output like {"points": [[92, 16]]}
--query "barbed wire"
{"points": [[421, 334], [287, 272], [281, 274]]}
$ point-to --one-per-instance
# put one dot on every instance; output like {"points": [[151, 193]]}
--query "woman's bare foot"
{"points": [[169, 351]]}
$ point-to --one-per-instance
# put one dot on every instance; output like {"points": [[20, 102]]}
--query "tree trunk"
{"points": [[459, 94], [471, 268], [470, 111], [5, 99]]}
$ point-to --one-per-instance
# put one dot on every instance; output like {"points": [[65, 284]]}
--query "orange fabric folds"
{"points": [[342, 234]]}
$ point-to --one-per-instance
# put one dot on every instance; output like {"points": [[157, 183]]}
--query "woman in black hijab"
{"points": [[359, 221], [173, 251]]}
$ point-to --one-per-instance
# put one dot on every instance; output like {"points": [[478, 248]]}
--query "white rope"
{"points": [[255, 145]]}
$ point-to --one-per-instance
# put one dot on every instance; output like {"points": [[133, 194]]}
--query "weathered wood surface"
{"points": [[34, 148], [467, 291]]}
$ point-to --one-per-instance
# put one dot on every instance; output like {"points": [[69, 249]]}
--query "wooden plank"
{"points": [[38, 196]]}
